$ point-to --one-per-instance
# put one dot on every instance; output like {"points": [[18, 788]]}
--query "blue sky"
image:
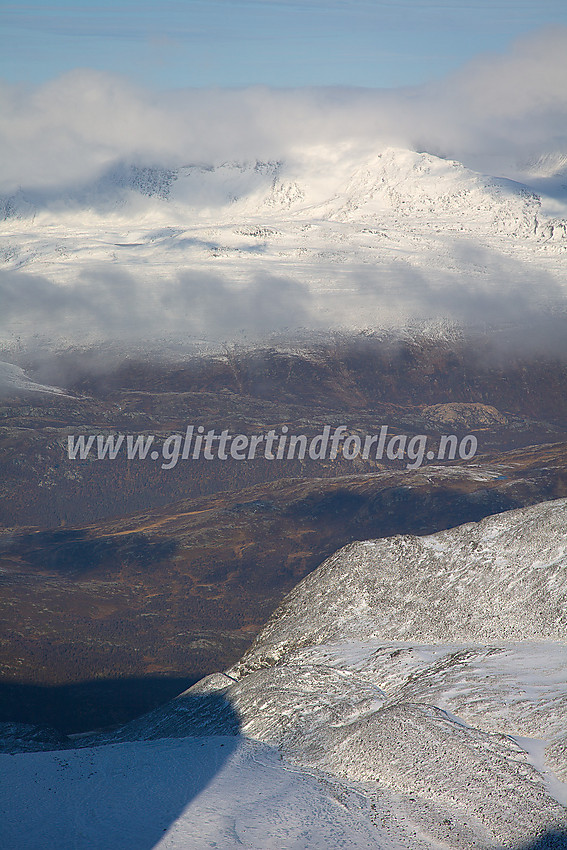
{"points": [[230, 43]]}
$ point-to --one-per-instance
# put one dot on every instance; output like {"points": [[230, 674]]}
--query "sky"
{"points": [[236, 43]]}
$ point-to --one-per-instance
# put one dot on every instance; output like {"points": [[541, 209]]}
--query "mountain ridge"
{"points": [[408, 181]]}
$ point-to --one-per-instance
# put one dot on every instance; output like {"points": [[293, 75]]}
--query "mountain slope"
{"points": [[458, 632], [502, 579], [347, 188]]}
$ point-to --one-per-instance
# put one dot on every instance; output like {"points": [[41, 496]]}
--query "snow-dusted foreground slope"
{"points": [[159, 794], [409, 693]]}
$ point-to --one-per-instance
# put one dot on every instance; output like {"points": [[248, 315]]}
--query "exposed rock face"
{"points": [[460, 415], [556, 756]]}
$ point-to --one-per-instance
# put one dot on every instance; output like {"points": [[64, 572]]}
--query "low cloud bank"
{"points": [[509, 106], [196, 307]]}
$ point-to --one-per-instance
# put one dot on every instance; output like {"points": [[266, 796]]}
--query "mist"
{"points": [[200, 309]]}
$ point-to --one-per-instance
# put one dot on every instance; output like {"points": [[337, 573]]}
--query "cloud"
{"points": [[107, 304], [511, 104], [72, 128], [525, 306], [522, 307]]}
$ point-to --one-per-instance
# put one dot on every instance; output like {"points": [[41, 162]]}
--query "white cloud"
{"points": [[71, 128]]}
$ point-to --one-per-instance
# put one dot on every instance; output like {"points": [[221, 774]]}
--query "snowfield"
{"points": [[409, 693], [13, 379], [159, 794]]}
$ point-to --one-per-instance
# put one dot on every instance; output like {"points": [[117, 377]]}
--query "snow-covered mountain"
{"points": [[319, 185], [365, 237], [409, 693]]}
